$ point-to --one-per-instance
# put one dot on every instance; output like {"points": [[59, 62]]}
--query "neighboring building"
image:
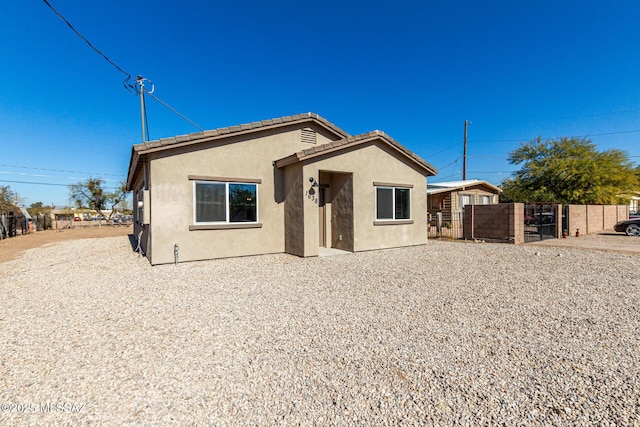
{"points": [[12, 219], [634, 203], [450, 197], [291, 184]]}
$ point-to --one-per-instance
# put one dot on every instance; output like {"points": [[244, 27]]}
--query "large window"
{"points": [[225, 202], [393, 203]]}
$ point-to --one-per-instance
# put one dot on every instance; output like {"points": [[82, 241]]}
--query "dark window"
{"points": [[393, 203], [225, 202]]}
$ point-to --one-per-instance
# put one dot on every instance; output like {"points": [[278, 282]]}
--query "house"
{"points": [[450, 197], [292, 184], [12, 219]]}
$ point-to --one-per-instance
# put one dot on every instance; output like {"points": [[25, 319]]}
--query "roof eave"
{"points": [[239, 130], [354, 141]]}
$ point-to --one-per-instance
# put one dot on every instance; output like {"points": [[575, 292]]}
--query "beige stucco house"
{"points": [[291, 184]]}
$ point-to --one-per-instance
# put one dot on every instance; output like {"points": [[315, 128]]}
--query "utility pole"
{"points": [[464, 157], [140, 81]]}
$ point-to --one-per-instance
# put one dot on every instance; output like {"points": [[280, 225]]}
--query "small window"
{"points": [[225, 202], [485, 200], [393, 203], [466, 199]]}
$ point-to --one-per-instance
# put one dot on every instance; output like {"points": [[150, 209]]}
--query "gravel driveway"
{"points": [[447, 333]]}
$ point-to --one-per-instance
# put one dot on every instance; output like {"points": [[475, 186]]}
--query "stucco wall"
{"points": [[246, 157], [370, 163], [294, 210], [288, 219], [140, 230]]}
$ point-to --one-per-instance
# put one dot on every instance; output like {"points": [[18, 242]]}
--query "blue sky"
{"points": [[417, 70]]}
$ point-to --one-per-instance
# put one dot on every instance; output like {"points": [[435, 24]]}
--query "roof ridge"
{"points": [[336, 145], [227, 130]]}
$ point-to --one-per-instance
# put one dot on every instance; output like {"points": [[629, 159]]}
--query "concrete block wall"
{"points": [[591, 219], [503, 222], [594, 218]]}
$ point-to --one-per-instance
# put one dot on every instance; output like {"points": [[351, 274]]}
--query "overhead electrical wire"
{"points": [[128, 86], [40, 175], [443, 150], [45, 183], [125, 83], [555, 137], [61, 170], [450, 164], [178, 113]]}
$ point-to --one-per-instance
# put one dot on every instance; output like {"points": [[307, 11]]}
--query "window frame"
{"points": [[226, 222], [471, 200], [393, 189]]}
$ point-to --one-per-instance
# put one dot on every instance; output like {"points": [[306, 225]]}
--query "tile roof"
{"points": [[237, 129], [139, 150], [352, 141]]}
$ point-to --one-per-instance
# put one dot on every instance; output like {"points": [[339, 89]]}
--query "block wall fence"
{"points": [[591, 219], [504, 222]]}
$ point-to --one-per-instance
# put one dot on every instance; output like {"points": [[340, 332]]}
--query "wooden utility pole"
{"points": [[464, 157]]}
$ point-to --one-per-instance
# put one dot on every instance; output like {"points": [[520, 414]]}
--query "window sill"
{"points": [[392, 222], [225, 226]]}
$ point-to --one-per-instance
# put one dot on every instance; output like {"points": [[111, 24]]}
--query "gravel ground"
{"points": [[447, 333]]}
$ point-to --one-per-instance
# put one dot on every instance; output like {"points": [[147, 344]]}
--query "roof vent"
{"points": [[308, 136]]}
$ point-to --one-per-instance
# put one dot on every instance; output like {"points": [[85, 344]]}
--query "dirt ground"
{"points": [[607, 241], [12, 248]]}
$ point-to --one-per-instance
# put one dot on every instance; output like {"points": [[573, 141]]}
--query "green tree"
{"points": [[36, 208], [118, 197], [570, 171], [7, 197], [91, 193]]}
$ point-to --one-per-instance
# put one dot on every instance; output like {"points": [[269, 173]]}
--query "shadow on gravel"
{"points": [[133, 241]]}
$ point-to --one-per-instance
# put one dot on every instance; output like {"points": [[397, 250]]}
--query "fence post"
{"points": [[473, 220]]}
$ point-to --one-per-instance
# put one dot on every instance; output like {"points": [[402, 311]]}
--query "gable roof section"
{"points": [[356, 140], [443, 187], [140, 150]]}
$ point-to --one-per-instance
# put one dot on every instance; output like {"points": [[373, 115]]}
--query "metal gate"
{"points": [[539, 222]]}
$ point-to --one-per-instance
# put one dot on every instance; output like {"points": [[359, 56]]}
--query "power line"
{"points": [[128, 86], [41, 175], [556, 137], [60, 170], [553, 119], [503, 172], [442, 179], [36, 183], [175, 111], [452, 163], [548, 158], [444, 149], [45, 183], [125, 83]]}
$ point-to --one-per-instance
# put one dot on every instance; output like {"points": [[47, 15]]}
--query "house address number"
{"points": [[312, 197]]}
